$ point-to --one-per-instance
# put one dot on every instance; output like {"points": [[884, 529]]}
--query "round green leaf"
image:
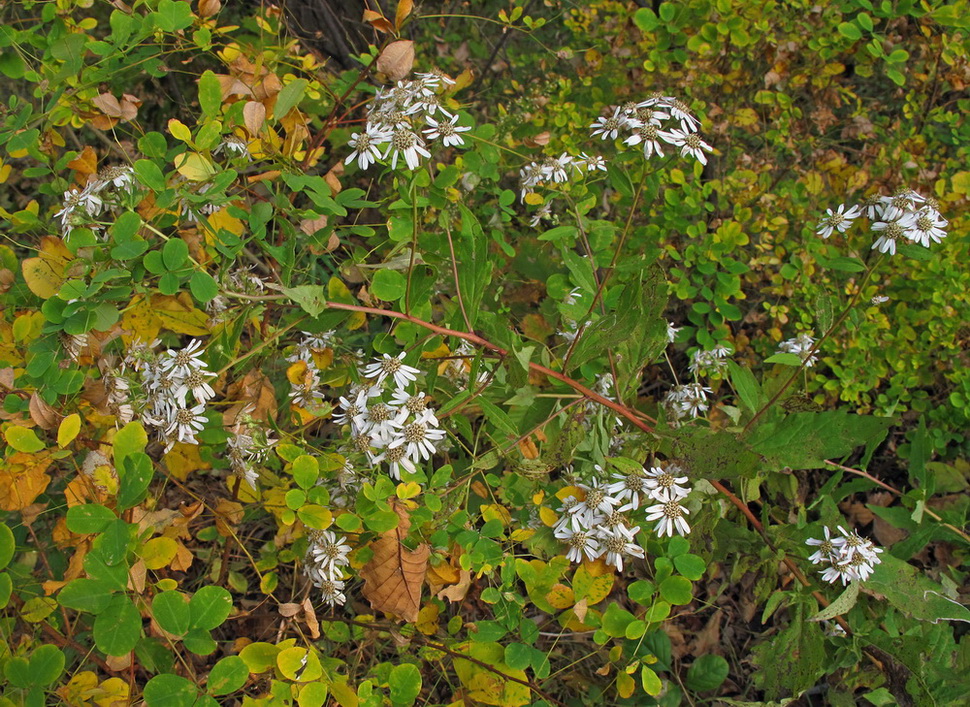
{"points": [[171, 611], [91, 595], [174, 253], [305, 471], [169, 691], [518, 656], [676, 590], [691, 566], [17, 672], [707, 673], [209, 607], [200, 642], [389, 285], [313, 694], [228, 675], [113, 542], [46, 665], [117, 628], [203, 286], [616, 619], [7, 545], [405, 682], [6, 587]]}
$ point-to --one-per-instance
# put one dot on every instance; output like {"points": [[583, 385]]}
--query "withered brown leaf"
{"points": [[394, 575]]}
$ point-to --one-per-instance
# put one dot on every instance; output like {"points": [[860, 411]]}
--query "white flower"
{"points": [[608, 127], [185, 422], [581, 543], [196, 382], [419, 437], [233, 146], [871, 207], [598, 502], [408, 143], [381, 368], [377, 420], [669, 515], [850, 556], [120, 177], [889, 233], [649, 135], [689, 144], [631, 488], [672, 332], [555, 168], [899, 204], [447, 130], [327, 553], [664, 484], [182, 362], [682, 112], [801, 346], [416, 405], [366, 145], [707, 363], [397, 459], [332, 591], [923, 226], [618, 546], [826, 550], [593, 162], [688, 400], [570, 516], [838, 220]]}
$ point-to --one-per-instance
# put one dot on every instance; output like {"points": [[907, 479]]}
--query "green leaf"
{"points": [[91, 595], [676, 590], [169, 690], [23, 439], [646, 19], [126, 226], [6, 588], [713, 455], [805, 440], [12, 65], [7, 545], [747, 386], [289, 97], [616, 619], [864, 21], [849, 30], [389, 285], [130, 439], [117, 628], [210, 94], [912, 592], [475, 273], [135, 476], [46, 664], [17, 672], [311, 298], [785, 359], [405, 682], [566, 234], [150, 175], [691, 566], [199, 642], [228, 675], [845, 601], [305, 471], [209, 607], [792, 660], [652, 684], [174, 253], [707, 673], [173, 15], [203, 286], [171, 611], [89, 518], [113, 542]]}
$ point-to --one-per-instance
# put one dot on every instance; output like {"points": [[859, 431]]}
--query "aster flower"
{"points": [[616, 547], [419, 437], [631, 488], [669, 515], [447, 130], [801, 346], [690, 144], [381, 368], [665, 484], [184, 361], [185, 422], [889, 232], [838, 220], [672, 332], [608, 127], [408, 143], [581, 544], [649, 135], [366, 146], [924, 226]]}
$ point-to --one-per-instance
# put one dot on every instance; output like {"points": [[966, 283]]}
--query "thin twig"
{"points": [[454, 272]]}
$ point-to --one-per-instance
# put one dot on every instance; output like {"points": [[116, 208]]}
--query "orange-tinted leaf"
{"points": [[23, 477], [396, 60], [394, 575]]}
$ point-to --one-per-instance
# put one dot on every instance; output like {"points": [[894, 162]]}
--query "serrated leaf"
{"points": [[912, 592], [845, 601]]}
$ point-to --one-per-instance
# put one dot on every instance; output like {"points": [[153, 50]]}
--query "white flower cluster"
{"points": [[801, 346], [307, 392], [106, 192], [849, 556], [650, 123], [395, 120], [710, 363], [166, 381], [686, 401], [326, 556], [556, 170], [905, 216], [390, 424], [599, 524]]}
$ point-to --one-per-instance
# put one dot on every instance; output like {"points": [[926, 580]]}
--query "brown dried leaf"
{"points": [[394, 575], [23, 477], [46, 417], [85, 164], [207, 8], [7, 377], [311, 225], [255, 395], [378, 21], [108, 105], [254, 114], [456, 593], [289, 609], [404, 8], [396, 60], [311, 619]]}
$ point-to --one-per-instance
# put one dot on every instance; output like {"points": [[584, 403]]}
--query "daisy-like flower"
{"points": [[447, 130], [332, 591], [838, 220], [598, 502], [669, 515], [121, 177], [556, 168], [682, 112], [924, 226], [690, 144], [889, 233], [617, 547], [530, 176], [377, 420], [849, 556], [366, 146], [608, 127], [416, 405], [871, 207], [381, 368], [396, 459], [593, 163], [902, 202], [672, 332], [649, 135], [406, 142], [825, 551], [185, 422], [419, 437], [327, 553], [196, 382], [708, 363], [664, 483], [182, 362], [631, 488], [688, 400], [581, 544], [801, 346], [569, 515], [234, 147]]}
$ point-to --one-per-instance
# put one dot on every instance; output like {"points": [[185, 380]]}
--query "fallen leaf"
{"points": [[23, 477], [457, 592], [394, 575]]}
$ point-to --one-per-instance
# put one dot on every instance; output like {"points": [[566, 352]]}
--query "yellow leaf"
{"points": [[561, 596], [140, 320], [23, 439], [194, 167], [222, 220], [68, 430], [408, 490], [179, 130], [489, 686], [158, 552], [428, 619], [533, 199], [548, 516], [44, 277], [625, 685], [37, 609], [184, 458], [651, 681], [178, 314]]}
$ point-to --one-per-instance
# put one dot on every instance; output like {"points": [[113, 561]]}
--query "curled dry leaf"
{"points": [[378, 21], [46, 417], [208, 8], [404, 8], [396, 60], [254, 113], [394, 575]]}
